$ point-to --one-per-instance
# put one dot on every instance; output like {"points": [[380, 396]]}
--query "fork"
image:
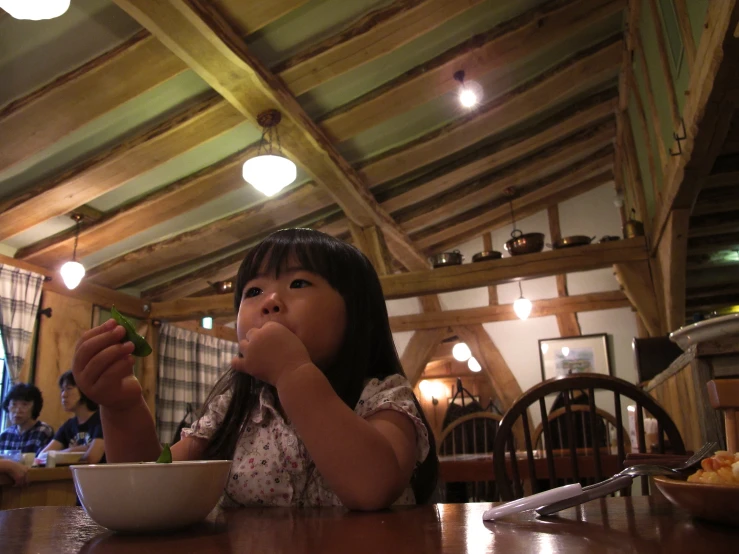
{"points": [[623, 479]]}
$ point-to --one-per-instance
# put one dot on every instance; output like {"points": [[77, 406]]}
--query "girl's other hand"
{"points": [[269, 352], [18, 472], [103, 367]]}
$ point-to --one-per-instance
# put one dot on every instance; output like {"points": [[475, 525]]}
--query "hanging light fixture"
{"points": [[474, 365], [522, 306], [73, 272], [461, 352], [35, 9], [269, 171], [470, 92]]}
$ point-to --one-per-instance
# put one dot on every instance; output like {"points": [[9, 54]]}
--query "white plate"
{"points": [[54, 458], [709, 329]]}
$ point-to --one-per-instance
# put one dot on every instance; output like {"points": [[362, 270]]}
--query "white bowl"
{"points": [[709, 329], [149, 496]]}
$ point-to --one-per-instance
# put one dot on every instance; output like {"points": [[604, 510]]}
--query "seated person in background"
{"points": [[17, 472], [23, 404], [84, 431]]}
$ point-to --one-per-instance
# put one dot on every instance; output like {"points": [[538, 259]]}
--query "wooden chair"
{"points": [[723, 394], [604, 420], [573, 464], [470, 434]]}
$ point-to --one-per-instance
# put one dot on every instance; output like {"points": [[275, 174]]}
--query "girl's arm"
{"points": [[18, 472], [53, 445], [130, 436], [94, 451], [366, 462]]}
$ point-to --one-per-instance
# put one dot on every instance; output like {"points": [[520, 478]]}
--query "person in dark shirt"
{"points": [[84, 431], [23, 404]]}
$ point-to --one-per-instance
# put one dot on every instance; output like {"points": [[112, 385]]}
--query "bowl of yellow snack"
{"points": [[711, 493], [150, 496]]}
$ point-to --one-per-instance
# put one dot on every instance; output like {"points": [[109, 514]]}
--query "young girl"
{"points": [[314, 411]]}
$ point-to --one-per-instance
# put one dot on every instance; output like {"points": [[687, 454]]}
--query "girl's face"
{"points": [[302, 301], [70, 397]]}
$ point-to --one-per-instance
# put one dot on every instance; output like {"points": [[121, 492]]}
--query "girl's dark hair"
{"points": [[368, 347], [26, 393], [67, 378]]}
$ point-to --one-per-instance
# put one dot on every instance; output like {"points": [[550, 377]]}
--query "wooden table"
{"points": [[479, 467], [635, 524], [46, 487]]}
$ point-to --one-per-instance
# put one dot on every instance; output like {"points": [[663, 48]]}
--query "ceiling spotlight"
{"points": [[470, 92]]}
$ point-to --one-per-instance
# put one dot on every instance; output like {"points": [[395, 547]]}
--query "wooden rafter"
{"points": [[197, 34], [664, 63], [588, 69], [686, 31], [121, 74], [552, 131], [305, 202], [514, 40], [649, 88], [375, 34], [482, 191], [579, 178], [504, 312], [115, 166]]}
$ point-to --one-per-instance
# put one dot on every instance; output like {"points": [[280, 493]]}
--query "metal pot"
{"points": [[524, 243], [574, 240], [609, 238], [487, 255], [633, 228], [446, 258]]}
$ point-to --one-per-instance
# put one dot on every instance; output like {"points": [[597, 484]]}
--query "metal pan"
{"points": [[486, 255], [574, 240]]}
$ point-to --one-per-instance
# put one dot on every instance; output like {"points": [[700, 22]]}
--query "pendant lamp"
{"points": [[269, 171], [73, 272], [35, 9]]}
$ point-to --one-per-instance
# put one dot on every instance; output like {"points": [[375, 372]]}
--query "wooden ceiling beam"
{"points": [[447, 279], [115, 166], [566, 184], [587, 69], [143, 213], [87, 290], [459, 200], [504, 312], [121, 74], [713, 92], [197, 33], [375, 34], [554, 130], [538, 28], [229, 232]]}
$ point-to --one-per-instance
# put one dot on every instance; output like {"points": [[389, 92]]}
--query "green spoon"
{"points": [[166, 456], [141, 347]]}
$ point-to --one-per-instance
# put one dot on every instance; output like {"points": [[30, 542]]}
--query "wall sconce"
{"points": [[222, 287], [432, 390]]}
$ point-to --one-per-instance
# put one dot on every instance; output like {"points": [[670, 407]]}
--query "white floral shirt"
{"points": [[272, 465]]}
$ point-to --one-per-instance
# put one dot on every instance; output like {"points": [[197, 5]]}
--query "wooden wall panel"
{"points": [[57, 338]]}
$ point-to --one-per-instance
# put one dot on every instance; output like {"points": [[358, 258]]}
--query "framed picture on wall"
{"points": [[571, 355]]}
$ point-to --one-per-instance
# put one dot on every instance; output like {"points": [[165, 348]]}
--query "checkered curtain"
{"points": [[189, 365], [20, 297]]}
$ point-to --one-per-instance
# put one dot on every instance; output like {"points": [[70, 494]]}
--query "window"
{"points": [[4, 384]]}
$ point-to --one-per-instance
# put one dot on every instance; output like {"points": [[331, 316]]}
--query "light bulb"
{"points": [[522, 307], [269, 174], [72, 274], [474, 365], [565, 351], [470, 94], [35, 9], [461, 352]]}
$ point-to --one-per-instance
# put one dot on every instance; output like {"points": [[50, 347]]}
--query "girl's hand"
{"points": [[270, 352], [103, 367]]}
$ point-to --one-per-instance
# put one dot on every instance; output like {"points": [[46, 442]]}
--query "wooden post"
{"points": [[567, 323], [487, 245], [672, 255], [419, 351], [636, 280]]}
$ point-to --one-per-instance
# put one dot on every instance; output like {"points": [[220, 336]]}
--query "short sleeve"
{"points": [[395, 393], [206, 426], [62, 434]]}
